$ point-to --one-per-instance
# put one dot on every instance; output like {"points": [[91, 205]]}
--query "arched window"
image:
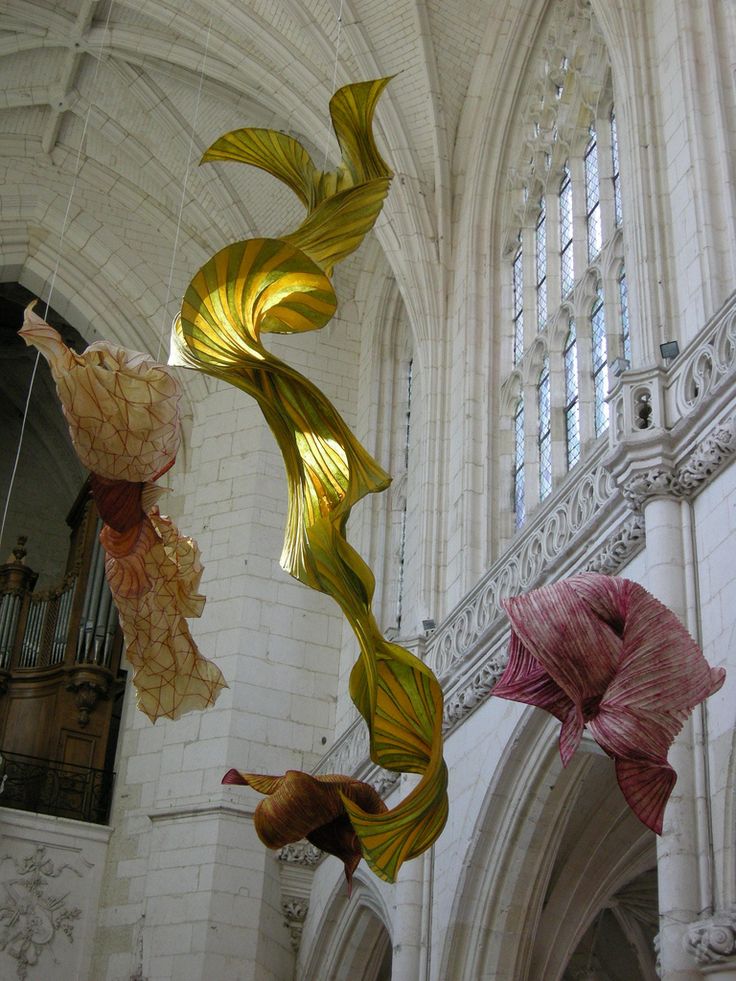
{"points": [[540, 242], [519, 462], [592, 197], [567, 264], [564, 222], [615, 176], [545, 431], [572, 403], [518, 286], [623, 296], [600, 364]]}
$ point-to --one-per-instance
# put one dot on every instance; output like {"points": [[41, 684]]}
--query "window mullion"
{"points": [[579, 224], [605, 181], [553, 253], [557, 421], [530, 297], [585, 379], [531, 454]]}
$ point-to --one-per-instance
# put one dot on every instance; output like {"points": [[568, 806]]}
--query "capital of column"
{"points": [[712, 941], [295, 910]]}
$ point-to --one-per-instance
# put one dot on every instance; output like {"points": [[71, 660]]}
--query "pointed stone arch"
{"points": [[353, 942], [550, 850]]}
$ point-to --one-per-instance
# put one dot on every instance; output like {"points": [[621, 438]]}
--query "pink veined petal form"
{"points": [[601, 651]]}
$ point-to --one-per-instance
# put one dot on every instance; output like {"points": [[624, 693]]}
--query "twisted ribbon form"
{"points": [[282, 285]]}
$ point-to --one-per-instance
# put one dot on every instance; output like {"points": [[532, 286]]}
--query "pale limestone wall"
{"points": [[715, 524]]}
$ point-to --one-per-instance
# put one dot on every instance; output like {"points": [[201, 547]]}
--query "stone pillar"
{"points": [[678, 845], [411, 934]]}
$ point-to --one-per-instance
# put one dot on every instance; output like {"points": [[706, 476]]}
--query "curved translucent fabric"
{"points": [[282, 285], [602, 652], [122, 409]]}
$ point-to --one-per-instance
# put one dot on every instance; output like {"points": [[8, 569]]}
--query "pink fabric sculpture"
{"points": [[122, 409], [602, 652]]}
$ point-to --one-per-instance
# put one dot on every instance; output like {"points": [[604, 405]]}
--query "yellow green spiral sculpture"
{"points": [[282, 285]]}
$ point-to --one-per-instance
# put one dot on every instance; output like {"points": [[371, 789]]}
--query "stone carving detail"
{"points": [[553, 125], [384, 781], [300, 853], [657, 944], [713, 941], [711, 364], [709, 456], [658, 481], [295, 913], [706, 459], [31, 917], [462, 702], [616, 551]]}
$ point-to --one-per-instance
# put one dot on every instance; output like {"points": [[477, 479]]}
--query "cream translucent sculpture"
{"points": [[122, 409]]}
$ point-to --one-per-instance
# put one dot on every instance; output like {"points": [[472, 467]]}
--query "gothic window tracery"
{"points": [[564, 233]]}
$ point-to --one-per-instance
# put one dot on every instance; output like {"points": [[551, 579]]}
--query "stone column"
{"points": [[678, 845], [411, 925]]}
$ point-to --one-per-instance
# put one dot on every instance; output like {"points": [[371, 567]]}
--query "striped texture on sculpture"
{"points": [[282, 285], [601, 652]]}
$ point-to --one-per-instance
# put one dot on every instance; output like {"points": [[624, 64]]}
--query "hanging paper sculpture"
{"points": [[602, 652], [282, 285], [299, 806], [122, 409]]}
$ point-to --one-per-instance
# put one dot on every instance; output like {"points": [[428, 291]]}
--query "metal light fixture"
{"points": [[428, 625], [619, 366], [669, 350]]}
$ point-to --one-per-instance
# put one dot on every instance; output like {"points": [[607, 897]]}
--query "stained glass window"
{"points": [[572, 402], [518, 285], [519, 463], [592, 197], [615, 177], [545, 432], [567, 267], [600, 364], [540, 236]]}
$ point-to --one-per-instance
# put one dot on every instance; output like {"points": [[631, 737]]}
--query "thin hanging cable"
{"points": [[183, 193], [77, 168], [334, 80]]}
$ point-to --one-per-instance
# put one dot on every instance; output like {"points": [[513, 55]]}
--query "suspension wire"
{"points": [[334, 81], [72, 190], [164, 324]]}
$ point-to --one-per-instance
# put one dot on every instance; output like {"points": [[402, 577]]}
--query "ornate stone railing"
{"points": [[671, 431]]}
